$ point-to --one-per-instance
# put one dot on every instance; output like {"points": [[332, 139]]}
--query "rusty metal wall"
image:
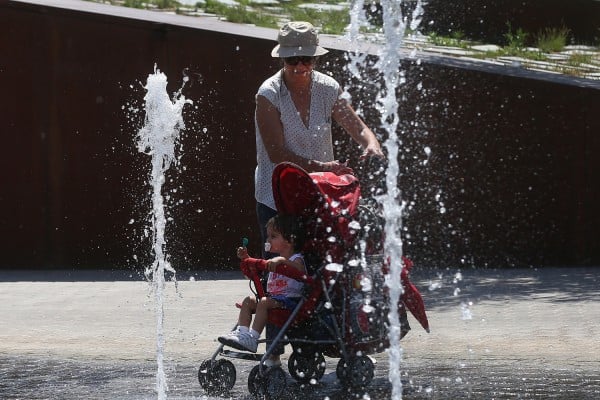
{"points": [[512, 179], [513, 162], [73, 179]]}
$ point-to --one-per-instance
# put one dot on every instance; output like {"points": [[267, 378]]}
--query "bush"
{"points": [[241, 14], [552, 39], [330, 21], [515, 40]]}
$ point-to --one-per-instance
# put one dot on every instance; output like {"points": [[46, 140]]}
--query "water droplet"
{"points": [[354, 225], [334, 267]]}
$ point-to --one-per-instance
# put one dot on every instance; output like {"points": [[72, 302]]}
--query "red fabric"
{"points": [[413, 301], [331, 198], [411, 297], [327, 200], [299, 193], [250, 268], [250, 265]]}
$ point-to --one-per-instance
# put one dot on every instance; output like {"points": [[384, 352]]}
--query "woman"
{"points": [[294, 109]]}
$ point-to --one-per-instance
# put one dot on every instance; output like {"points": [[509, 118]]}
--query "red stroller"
{"points": [[343, 313]]}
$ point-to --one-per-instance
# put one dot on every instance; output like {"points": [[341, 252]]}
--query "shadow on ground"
{"points": [[449, 288]]}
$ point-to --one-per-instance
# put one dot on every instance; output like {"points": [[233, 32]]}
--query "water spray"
{"points": [[389, 67], [163, 123]]}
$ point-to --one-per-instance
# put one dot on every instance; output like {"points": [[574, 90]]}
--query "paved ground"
{"points": [[496, 334]]}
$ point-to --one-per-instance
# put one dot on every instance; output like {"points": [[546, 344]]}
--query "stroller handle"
{"points": [[251, 266]]}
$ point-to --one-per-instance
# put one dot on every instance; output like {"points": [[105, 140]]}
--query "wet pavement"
{"points": [[496, 334]]}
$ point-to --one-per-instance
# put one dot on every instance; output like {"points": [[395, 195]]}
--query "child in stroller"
{"points": [[286, 238], [344, 306]]}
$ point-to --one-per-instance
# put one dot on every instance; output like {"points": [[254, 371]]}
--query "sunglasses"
{"points": [[306, 60]]}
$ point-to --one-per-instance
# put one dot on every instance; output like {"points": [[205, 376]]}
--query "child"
{"points": [[285, 237]]}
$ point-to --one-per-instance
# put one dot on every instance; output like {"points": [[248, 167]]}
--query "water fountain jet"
{"points": [[388, 65], [163, 123]]}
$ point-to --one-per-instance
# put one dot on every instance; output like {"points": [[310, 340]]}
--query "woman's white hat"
{"points": [[297, 38]]}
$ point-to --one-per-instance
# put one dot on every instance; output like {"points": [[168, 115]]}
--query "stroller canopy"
{"points": [[326, 202], [325, 194]]}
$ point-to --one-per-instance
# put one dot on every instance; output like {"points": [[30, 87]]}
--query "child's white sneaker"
{"points": [[234, 332], [248, 342], [241, 341], [229, 337]]}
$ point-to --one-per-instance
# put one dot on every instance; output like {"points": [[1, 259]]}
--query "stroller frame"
{"points": [[331, 312]]}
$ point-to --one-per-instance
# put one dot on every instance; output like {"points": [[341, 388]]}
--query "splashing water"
{"points": [[157, 138], [394, 27], [389, 65]]}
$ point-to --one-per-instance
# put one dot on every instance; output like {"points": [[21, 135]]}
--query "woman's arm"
{"points": [[271, 132], [344, 114]]}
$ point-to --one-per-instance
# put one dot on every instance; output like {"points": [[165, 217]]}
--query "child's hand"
{"points": [[274, 262], [242, 253]]}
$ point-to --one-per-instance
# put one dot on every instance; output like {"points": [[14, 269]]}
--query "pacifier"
{"points": [[267, 246]]}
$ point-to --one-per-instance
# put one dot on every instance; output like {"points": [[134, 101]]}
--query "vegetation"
{"points": [[547, 41], [161, 4], [456, 40], [134, 3], [515, 41], [579, 58], [331, 21], [240, 14], [552, 39]]}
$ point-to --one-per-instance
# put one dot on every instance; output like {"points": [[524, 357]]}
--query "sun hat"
{"points": [[297, 38]]}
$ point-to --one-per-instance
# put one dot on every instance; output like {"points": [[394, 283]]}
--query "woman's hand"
{"points": [[373, 149], [242, 253], [336, 167]]}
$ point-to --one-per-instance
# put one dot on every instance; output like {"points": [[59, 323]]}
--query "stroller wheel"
{"points": [[216, 377], [255, 386], [270, 386], [304, 369], [357, 373]]}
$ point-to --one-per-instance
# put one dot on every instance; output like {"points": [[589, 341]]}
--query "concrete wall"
{"points": [[513, 154]]}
